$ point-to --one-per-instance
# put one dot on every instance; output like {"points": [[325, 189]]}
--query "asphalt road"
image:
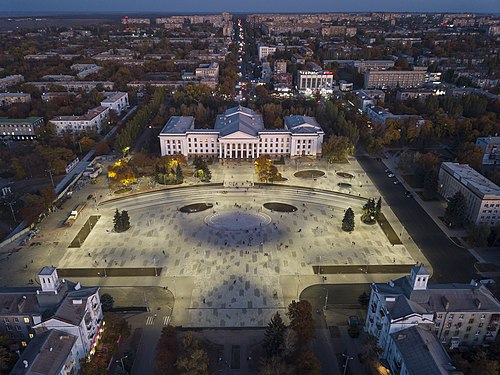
{"points": [[450, 262]]}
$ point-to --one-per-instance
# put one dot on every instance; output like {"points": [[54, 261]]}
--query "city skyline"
{"points": [[93, 6]]}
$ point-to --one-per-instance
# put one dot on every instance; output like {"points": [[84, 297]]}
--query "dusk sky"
{"points": [[194, 6]]}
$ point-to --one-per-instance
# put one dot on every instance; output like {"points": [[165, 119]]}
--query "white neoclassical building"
{"points": [[239, 133]]}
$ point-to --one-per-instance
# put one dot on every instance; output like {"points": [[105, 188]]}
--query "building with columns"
{"points": [[239, 133]]}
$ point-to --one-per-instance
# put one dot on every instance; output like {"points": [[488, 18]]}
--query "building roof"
{"points": [[15, 301], [90, 115], [488, 140], [421, 352], [112, 97], [46, 354], [178, 125], [27, 120], [47, 270], [239, 119], [472, 179], [13, 94], [302, 124], [72, 309]]}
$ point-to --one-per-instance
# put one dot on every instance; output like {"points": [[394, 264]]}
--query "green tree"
{"points": [[337, 148], [378, 208], [483, 366], [107, 302], [274, 336], [369, 214], [455, 213], [116, 221], [178, 174], [364, 299], [348, 220], [7, 360], [479, 234], [124, 221], [194, 359], [301, 321], [167, 351], [308, 363], [430, 184]]}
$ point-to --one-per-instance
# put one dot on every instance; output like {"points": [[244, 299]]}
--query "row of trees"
{"points": [[129, 133], [371, 211], [287, 347]]}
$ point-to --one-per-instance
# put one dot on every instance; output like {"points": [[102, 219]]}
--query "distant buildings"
{"points": [[394, 78], [19, 129], [239, 133], [9, 98], [135, 21], [482, 196], [11, 80], [364, 65], [491, 150], [92, 120], [369, 98], [208, 71], [73, 85], [85, 70], [309, 82], [381, 115], [409, 318], [279, 66]]}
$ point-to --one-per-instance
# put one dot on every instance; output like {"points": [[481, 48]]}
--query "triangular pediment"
{"points": [[238, 135]]}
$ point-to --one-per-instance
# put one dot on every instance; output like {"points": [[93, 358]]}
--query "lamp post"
{"points": [[51, 178], [347, 358], [121, 361], [326, 299]]}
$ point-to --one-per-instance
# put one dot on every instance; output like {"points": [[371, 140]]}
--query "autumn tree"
{"points": [[167, 351], [194, 359], [301, 321], [308, 363], [337, 148], [266, 170], [455, 213]]}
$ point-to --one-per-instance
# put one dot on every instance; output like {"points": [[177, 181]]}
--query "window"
{"points": [[468, 329], [31, 335], [16, 320], [483, 316], [450, 317], [461, 316], [480, 324], [448, 325], [440, 316], [477, 333], [26, 320], [18, 328], [23, 343], [438, 324], [471, 321], [457, 332], [446, 333]]}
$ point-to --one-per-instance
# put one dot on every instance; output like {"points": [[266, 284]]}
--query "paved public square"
{"points": [[238, 262]]}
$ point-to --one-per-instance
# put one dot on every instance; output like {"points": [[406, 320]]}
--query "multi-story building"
{"points": [[459, 314], [58, 304], [279, 66], [381, 115], [265, 51], [310, 82], [85, 70], [73, 85], [10, 81], [369, 98], [208, 71], [405, 94], [364, 65], [19, 129], [335, 30], [239, 133], [9, 98], [52, 352], [117, 101], [394, 78], [135, 21], [92, 120], [482, 196], [491, 150]]}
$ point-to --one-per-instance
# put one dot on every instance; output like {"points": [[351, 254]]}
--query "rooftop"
{"points": [[72, 309], [112, 97], [178, 125], [26, 120], [47, 271], [239, 119], [46, 354], [421, 352], [91, 114], [472, 179], [302, 124]]}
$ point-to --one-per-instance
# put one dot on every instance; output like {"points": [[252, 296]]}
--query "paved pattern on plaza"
{"points": [[236, 272]]}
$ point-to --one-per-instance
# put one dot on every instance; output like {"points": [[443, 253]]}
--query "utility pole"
{"points": [[51, 178]]}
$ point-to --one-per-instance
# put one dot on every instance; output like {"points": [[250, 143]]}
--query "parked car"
{"points": [[390, 175]]}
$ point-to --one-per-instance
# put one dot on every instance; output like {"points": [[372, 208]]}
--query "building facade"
{"points": [[239, 133], [265, 51], [311, 82], [19, 129], [9, 98], [482, 196], [94, 119], [459, 314], [384, 79], [11, 80], [491, 150]]}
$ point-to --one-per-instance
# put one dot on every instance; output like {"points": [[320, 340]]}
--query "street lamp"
{"points": [[121, 361], [347, 358], [326, 299]]}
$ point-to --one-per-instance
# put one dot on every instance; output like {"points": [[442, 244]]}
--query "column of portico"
{"points": [[220, 150]]}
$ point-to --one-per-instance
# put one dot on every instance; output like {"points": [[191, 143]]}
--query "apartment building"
{"points": [[405, 94], [117, 101], [19, 129], [310, 82], [384, 79], [364, 65], [482, 196], [9, 98], [491, 150], [73, 85], [84, 70], [11, 80], [279, 66], [26, 312], [208, 71], [369, 98], [459, 314], [135, 21], [265, 51], [239, 133], [94, 119]]}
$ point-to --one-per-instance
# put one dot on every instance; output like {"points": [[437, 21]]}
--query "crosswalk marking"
{"points": [[166, 320], [150, 320]]}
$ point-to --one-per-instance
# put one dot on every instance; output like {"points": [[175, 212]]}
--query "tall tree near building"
{"points": [[274, 336], [301, 321], [455, 212], [430, 184]]}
